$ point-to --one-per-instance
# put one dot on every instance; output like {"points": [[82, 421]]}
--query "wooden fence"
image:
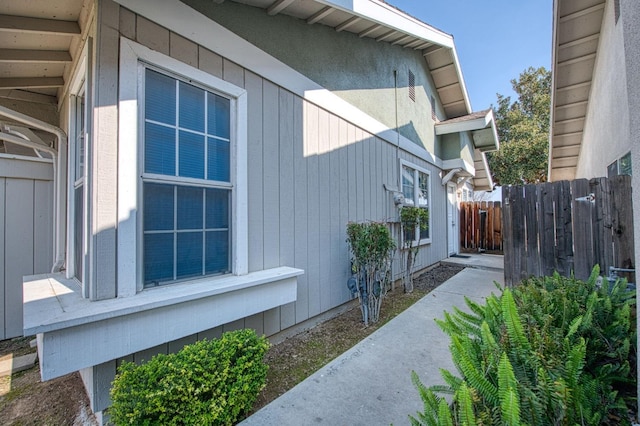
{"points": [[481, 226], [567, 227]]}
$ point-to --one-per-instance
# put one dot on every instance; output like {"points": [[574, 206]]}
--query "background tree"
{"points": [[523, 129]]}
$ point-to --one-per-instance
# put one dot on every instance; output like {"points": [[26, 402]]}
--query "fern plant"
{"points": [[555, 350]]}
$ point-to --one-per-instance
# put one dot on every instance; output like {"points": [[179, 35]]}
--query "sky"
{"points": [[495, 39]]}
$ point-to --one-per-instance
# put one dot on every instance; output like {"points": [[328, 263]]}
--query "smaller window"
{"points": [[416, 188], [412, 86], [621, 166]]}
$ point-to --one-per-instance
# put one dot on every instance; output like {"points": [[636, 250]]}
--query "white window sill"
{"points": [[75, 333]]}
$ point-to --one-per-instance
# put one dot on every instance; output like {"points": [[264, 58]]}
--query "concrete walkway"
{"points": [[370, 384]]}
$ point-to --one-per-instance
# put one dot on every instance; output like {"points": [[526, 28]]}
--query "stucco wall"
{"points": [[630, 18], [606, 136], [466, 147], [360, 70]]}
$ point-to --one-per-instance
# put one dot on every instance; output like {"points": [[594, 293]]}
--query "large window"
{"points": [[416, 188], [187, 189]]}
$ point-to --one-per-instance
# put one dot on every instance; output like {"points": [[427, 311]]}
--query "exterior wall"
{"points": [[630, 19], [327, 57], [466, 147], [310, 172], [26, 237], [450, 146], [606, 137]]}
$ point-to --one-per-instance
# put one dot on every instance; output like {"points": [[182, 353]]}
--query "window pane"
{"points": [[218, 160], [217, 209], [158, 207], [77, 230], [189, 207], [424, 233], [191, 107], [189, 256], [159, 150], [191, 155], [217, 252], [407, 185], [160, 98], [218, 119], [158, 258], [612, 169], [423, 190], [625, 164]]}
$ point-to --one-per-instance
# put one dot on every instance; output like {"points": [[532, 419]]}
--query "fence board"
{"points": [[546, 219], [507, 235], [564, 234], [531, 228], [622, 223], [567, 227], [583, 237]]}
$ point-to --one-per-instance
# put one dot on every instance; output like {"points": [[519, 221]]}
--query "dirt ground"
{"points": [[25, 400]]}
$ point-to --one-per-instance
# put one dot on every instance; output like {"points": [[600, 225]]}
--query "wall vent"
{"points": [[412, 86]]}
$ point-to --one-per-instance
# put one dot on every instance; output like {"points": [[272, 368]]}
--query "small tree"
{"points": [[372, 249], [411, 219]]}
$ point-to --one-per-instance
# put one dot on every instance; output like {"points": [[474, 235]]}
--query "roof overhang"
{"points": [[384, 23], [482, 126], [576, 34]]}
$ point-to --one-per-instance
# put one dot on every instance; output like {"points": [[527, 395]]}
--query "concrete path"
{"points": [[370, 384]]}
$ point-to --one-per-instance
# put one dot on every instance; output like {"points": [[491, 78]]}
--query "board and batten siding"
{"points": [[310, 172], [26, 234]]}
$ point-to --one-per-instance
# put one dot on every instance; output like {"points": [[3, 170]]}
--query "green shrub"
{"points": [[555, 350], [211, 382], [372, 249]]}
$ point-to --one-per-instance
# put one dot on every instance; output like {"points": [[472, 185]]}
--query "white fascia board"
{"points": [[459, 163], [554, 59], [461, 126], [392, 18], [191, 24], [464, 126]]}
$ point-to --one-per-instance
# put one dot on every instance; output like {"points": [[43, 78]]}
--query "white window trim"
{"points": [[81, 81], [417, 169], [129, 171]]}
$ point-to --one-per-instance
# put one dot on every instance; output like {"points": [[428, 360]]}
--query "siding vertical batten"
{"points": [[300, 206], [3, 260], [102, 274], [286, 196]]}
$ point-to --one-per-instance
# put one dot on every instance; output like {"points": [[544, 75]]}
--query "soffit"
{"points": [[576, 34], [38, 41], [386, 24]]}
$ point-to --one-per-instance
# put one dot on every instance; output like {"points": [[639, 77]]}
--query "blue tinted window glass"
{"points": [[159, 150], [217, 252], [191, 155], [191, 107], [218, 117], [218, 167], [217, 208], [189, 254], [190, 207], [160, 97], [157, 207], [158, 258]]}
